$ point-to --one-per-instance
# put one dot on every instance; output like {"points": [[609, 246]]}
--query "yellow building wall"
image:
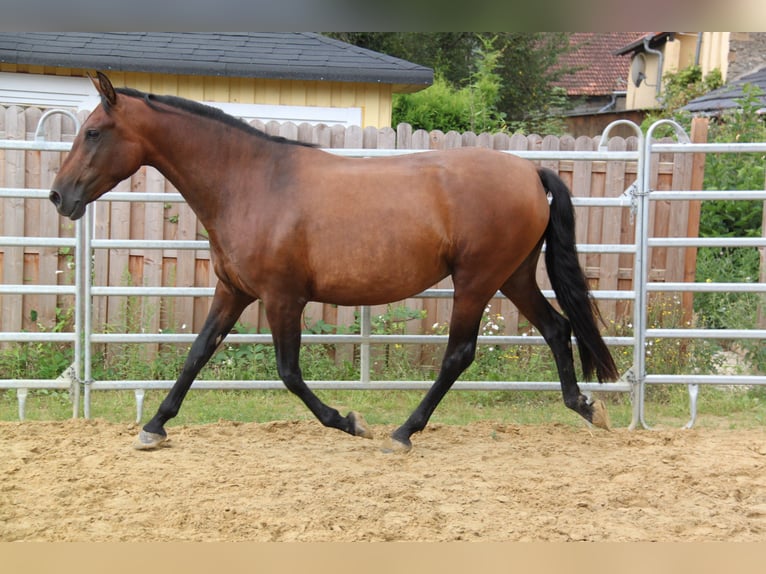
{"points": [[644, 96], [715, 52], [678, 54], [375, 100]]}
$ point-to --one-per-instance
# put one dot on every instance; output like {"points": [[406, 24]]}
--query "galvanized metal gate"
{"points": [[636, 198]]}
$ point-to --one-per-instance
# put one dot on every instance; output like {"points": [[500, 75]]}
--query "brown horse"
{"points": [[289, 223]]}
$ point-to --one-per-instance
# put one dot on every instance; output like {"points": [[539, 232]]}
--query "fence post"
{"points": [[698, 135], [762, 267], [641, 274]]}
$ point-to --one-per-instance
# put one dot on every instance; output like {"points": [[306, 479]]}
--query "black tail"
{"points": [[569, 282]]}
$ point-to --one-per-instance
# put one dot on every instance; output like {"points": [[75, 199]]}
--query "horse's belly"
{"points": [[378, 276]]}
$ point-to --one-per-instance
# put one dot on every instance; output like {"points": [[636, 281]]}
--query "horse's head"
{"points": [[105, 151]]}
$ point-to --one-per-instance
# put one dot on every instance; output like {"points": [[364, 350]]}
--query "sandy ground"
{"points": [[285, 481]]}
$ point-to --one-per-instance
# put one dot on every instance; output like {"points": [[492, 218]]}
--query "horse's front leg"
{"points": [[285, 320], [226, 308]]}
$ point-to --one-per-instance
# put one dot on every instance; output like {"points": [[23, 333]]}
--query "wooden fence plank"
{"points": [[420, 140], [436, 139], [609, 264], [154, 213], [49, 226], [117, 270], [338, 137], [370, 137], [404, 136], [386, 138], [354, 137], [13, 221], [189, 268], [698, 134], [182, 320], [468, 139], [679, 216]]}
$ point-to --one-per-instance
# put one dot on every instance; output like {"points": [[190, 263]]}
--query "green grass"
{"points": [[665, 407]]}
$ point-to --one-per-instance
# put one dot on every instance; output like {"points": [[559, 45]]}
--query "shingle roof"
{"points": [[599, 71], [724, 98], [276, 55]]}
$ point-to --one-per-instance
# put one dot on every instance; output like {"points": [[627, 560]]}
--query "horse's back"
{"points": [[387, 227]]}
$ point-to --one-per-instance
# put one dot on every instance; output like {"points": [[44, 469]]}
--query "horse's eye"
{"points": [[92, 134]]}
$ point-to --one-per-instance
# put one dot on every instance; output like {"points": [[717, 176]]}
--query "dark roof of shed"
{"points": [[275, 55], [724, 98]]}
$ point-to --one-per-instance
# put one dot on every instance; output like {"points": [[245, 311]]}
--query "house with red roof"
{"points": [[598, 84], [656, 54]]}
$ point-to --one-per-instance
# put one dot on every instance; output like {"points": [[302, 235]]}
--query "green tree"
{"points": [[439, 107], [720, 218], [471, 108], [450, 54], [528, 68], [522, 66]]}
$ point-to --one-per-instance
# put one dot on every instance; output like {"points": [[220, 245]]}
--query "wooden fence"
{"points": [[183, 268]]}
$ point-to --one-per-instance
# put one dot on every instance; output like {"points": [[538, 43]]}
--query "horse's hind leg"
{"points": [[523, 291], [285, 321], [460, 352]]}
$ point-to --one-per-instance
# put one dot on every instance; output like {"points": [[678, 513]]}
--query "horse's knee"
{"points": [[460, 358]]}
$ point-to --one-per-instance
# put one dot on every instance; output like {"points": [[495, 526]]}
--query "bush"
{"points": [[732, 218], [473, 108], [438, 107]]}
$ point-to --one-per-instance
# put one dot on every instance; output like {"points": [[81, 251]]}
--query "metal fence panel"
{"points": [[636, 198]]}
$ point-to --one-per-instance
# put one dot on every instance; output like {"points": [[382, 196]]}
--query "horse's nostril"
{"points": [[55, 198]]}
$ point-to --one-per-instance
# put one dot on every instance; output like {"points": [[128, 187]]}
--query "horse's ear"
{"points": [[105, 88]]}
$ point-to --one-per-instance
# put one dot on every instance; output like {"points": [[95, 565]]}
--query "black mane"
{"points": [[204, 111]]}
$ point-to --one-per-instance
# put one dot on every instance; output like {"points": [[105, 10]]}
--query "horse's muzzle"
{"points": [[55, 198], [72, 209]]}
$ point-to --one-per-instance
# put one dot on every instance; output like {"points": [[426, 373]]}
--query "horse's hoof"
{"points": [[359, 426], [149, 440], [395, 446], [600, 417]]}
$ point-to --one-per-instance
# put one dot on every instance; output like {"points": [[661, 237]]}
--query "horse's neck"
{"points": [[198, 159]]}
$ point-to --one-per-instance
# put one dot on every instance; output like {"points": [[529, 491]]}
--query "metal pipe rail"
{"points": [[70, 378], [85, 244], [646, 195], [554, 155], [637, 198]]}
